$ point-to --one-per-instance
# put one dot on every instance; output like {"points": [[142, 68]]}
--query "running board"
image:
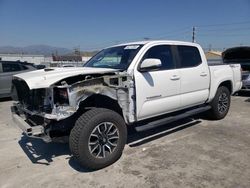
{"points": [[169, 119]]}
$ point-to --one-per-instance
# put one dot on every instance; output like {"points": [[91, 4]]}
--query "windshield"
{"points": [[118, 57]]}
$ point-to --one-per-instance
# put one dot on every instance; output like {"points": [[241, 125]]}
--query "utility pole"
{"points": [[193, 35], [210, 47]]}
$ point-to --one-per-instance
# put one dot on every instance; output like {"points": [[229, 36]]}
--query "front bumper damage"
{"points": [[40, 115], [35, 131]]}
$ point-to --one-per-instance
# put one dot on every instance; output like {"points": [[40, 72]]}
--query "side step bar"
{"points": [[169, 119]]}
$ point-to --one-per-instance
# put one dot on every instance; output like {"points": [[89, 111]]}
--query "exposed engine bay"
{"points": [[60, 101]]}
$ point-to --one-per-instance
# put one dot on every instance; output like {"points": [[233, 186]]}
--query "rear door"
{"points": [[194, 74]]}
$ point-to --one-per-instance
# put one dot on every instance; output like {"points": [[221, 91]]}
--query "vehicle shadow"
{"points": [[40, 152], [43, 153], [5, 99], [244, 94]]}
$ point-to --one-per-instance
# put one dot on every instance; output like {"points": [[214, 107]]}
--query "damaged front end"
{"points": [[50, 112]]}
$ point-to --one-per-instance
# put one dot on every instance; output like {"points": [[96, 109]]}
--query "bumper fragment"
{"points": [[31, 131]]}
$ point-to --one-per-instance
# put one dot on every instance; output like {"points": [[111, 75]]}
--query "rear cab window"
{"points": [[189, 56]]}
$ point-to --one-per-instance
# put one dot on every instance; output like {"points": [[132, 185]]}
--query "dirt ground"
{"points": [[188, 153]]}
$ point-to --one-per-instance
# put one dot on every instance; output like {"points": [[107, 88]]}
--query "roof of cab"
{"points": [[158, 42]]}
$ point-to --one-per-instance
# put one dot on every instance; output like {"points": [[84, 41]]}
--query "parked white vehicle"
{"points": [[136, 84]]}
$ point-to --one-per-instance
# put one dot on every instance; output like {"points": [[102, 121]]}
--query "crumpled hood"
{"points": [[46, 77]]}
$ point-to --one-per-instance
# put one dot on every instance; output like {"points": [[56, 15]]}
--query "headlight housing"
{"points": [[61, 96]]}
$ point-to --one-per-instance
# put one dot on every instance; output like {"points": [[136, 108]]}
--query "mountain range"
{"points": [[35, 49]]}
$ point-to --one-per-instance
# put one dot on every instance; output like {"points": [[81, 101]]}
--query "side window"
{"points": [[164, 53], [11, 67], [1, 69], [189, 56], [24, 67]]}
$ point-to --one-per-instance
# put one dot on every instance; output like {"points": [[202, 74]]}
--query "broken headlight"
{"points": [[61, 96]]}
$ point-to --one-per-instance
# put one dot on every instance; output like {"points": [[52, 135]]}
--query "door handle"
{"points": [[175, 77], [203, 74]]}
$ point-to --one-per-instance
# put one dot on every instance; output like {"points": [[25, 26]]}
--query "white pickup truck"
{"points": [[141, 84]]}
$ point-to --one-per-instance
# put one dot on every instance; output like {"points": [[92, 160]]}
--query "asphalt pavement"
{"points": [[190, 153]]}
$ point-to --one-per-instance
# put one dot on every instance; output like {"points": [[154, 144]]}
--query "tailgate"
{"points": [[236, 72], [236, 68]]}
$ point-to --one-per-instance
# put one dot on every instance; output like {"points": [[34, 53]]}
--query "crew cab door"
{"points": [[195, 76], [157, 91]]}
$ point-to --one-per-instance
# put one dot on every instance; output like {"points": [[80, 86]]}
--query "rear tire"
{"points": [[220, 104], [98, 138]]}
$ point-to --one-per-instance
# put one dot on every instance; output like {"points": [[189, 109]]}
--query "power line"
{"points": [[224, 24], [163, 35], [172, 33], [225, 35], [225, 29], [183, 32]]}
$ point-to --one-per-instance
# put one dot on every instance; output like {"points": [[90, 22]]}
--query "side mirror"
{"points": [[150, 64]]}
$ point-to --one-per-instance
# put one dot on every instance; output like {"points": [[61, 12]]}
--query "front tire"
{"points": [[220, 104], [98, 138]]}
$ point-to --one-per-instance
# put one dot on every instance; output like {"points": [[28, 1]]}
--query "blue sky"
{"points": [[95, 24]]}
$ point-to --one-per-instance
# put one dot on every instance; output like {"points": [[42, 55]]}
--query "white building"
{"points": [[36, 59], [41, 59], [85, 58]]}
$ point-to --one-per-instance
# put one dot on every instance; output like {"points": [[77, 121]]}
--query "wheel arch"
{"points": [[221, 102], [100, 101], [226, 83]]}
